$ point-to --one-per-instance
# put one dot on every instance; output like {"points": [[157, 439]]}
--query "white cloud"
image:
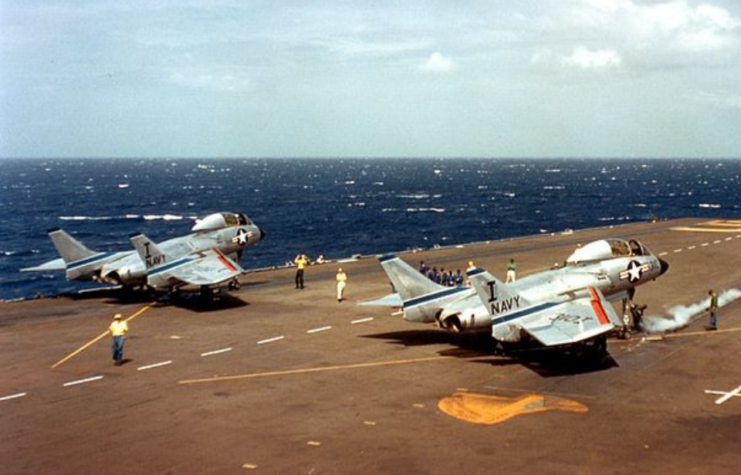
{"points": [[723, 101], [586, 59], [669, 27], [437, 63], [213, 79]]}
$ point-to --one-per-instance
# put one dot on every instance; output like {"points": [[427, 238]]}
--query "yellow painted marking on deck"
{"points": [[725, 222], [321, 369], [369, 423], [706, 230], [90, 343], [715, 226], [249, 466], [702, 333], [485, 409], [314, 443]]}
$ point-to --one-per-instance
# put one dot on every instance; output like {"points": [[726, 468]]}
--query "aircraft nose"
{"points": [[262, 234], [664, 266]]}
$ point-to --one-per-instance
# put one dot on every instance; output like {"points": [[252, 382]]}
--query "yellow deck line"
{"points": [[314, 370], [706, 230], [702, 333], [90, 343]]}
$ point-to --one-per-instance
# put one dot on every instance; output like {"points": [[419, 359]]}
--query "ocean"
{"points": [[337, 207]]}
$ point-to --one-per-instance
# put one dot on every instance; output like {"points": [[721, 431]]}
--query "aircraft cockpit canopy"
{"points": [[222, 220], [607, 249]]}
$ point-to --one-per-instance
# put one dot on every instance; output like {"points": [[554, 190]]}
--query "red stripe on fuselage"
{"points": [[597, 307], [224, 260]]}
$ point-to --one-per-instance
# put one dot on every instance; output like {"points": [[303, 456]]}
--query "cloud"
{"points": [[586, 59], [669, 27], [724, 101], [437, 63], [224, 79]]}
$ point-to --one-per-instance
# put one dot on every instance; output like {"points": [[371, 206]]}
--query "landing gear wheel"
{"points": [[207, 292], [600, 347], [235, 285]]}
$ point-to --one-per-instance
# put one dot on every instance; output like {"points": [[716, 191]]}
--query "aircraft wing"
{"points": [[55, 265], [391, 300], [572, 321], [209, 267]]}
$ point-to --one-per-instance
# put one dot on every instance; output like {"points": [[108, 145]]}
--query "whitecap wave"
{"points": [[165, 217], [708, 205], [420, 196], [86, 218], [425, 210]]}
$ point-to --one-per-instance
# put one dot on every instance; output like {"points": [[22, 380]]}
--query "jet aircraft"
{"points": [[204, 258], [563, 306]]}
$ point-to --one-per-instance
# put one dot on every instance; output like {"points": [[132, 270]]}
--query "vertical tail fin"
{"points": [[150, 254], [68, 247], [408, 282], [494, 294]]}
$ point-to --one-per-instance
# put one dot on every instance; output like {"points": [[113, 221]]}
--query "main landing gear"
{"points": [[594, 349]]}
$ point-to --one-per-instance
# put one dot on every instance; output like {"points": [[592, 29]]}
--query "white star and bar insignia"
{"points": [[242, 237], [634, 271]]}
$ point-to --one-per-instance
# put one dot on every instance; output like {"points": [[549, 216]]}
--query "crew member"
{"points": [[423, 268], [511, 271], [341, 284], [118, 329], [637, 310], [712, 308], [470, 267], [301, 261]]}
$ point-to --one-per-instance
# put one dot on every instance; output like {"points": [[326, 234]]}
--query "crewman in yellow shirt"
{"points": [[301, 261], [118, 329], [341, 283]]}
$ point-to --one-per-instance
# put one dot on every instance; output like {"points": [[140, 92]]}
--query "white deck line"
{"points": [[317, 330], [13, 396], [270, 340], [155, 365], [726, 394], [82, 381], [216, 352], [362, 320]]}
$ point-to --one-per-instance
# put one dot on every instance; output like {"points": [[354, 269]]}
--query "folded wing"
{"points": [[209, 267], [572, 321]]}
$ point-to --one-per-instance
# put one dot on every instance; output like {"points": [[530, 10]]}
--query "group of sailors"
{"points": [[443, 276], [457, 279]]}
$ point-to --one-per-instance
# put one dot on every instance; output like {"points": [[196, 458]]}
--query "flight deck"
{"points": [[272, 379]]}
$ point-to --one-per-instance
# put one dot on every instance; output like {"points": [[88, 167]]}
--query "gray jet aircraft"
{"points": [[204, 258], [557, 307]]}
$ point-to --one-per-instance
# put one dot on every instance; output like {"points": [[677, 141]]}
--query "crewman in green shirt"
{"points": [[713, 308]]}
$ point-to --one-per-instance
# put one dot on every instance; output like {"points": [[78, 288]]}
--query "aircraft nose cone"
{"points": [[664, 266], [262, 234]]}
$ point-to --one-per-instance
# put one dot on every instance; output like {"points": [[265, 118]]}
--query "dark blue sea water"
{"points": [[338, 207]]}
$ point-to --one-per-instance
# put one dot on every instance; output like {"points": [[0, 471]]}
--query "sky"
{"points": [[406, 78]]}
